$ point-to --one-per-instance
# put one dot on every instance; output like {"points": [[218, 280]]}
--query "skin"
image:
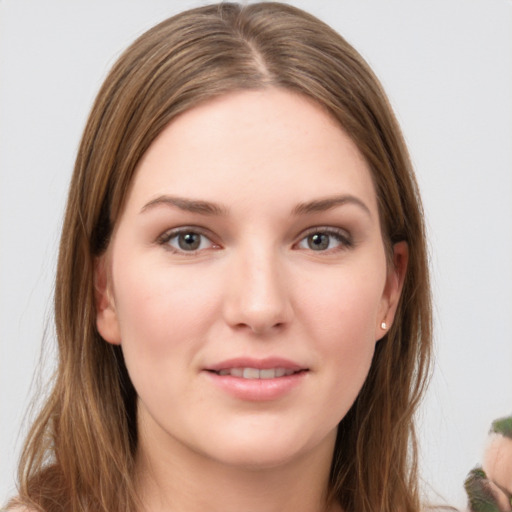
{"points": [[257, 286]]}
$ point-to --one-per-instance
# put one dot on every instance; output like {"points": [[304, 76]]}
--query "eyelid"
{"points": [[167, 235], [344, 236]]}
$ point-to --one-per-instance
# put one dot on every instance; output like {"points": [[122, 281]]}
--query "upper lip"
{"points": [[260, 364]]}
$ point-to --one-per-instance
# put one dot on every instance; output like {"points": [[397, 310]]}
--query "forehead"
{"points": [[271, 142]]}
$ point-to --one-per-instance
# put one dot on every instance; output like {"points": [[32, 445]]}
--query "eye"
{"points": [[186, 240], [325, 239]]}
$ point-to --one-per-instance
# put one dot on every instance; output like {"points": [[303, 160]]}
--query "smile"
{"points": [[257, 380], [255, 373]]}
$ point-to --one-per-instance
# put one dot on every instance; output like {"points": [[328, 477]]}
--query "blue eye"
{"points": [[325, 240], [186, 240]]}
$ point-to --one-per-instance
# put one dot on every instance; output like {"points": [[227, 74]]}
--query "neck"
{"points": [[177, 479]]}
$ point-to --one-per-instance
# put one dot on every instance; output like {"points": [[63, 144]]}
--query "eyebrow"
{"points": [[322, 205], [189, 205], [209, 208]]}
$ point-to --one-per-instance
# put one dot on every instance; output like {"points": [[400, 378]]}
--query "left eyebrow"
{"points": [[327, 203]]}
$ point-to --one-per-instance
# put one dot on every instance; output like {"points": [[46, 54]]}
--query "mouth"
{"points": [[257, 380], [257, 373]]}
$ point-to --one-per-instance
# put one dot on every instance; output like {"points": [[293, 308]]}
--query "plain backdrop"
{"points": [[447, 67]]}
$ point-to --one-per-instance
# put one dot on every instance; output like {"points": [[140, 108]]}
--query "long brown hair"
{"points": [[79, 455]]}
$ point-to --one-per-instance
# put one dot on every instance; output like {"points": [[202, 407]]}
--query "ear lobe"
{"points": [[393, 288], [106, 316]]}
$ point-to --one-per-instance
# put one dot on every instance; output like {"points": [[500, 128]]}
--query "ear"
{"points": [[393, 289], [106, 316]]}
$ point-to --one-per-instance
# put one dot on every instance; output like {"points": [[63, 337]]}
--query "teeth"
{"points": [[251, 373], [254, 373], [236, 372]]}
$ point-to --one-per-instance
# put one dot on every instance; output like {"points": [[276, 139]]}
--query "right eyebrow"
{"points": [[189, 205]]}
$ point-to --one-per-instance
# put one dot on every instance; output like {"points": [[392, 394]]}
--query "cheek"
{"points": [[163, 316], [341, 316], [343, 308], [161, 311]]}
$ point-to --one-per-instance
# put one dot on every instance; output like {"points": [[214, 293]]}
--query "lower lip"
{"points": [[257, 390]]}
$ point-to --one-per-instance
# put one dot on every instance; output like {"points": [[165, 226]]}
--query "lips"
{"points": [[255, 373], [257, 380], [250, 368]]}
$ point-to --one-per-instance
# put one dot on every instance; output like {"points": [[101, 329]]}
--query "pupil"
{"points": [[318, 241], [189, 241]]}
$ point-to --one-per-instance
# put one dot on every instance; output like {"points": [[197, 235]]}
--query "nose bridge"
{"points": [[258, 296]]}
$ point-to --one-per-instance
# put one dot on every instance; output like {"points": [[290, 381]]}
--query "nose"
{"points": [[257, 298]]}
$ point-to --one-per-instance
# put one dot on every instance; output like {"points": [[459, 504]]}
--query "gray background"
{"points": [[447, 66]]}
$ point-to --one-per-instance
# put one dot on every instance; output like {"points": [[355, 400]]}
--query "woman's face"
{"points": [[246, 281]]}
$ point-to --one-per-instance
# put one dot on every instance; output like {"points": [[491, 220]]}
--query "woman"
{"points": [[242, 299]]}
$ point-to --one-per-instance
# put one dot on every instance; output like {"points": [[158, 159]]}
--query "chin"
{"points": [[259, 450], [257, 459]]}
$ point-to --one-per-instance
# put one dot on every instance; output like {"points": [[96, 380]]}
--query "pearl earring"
{"points": [[384, 326]]}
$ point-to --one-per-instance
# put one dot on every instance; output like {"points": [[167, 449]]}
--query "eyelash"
{"points": [[166, 238], [339, 235]]}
